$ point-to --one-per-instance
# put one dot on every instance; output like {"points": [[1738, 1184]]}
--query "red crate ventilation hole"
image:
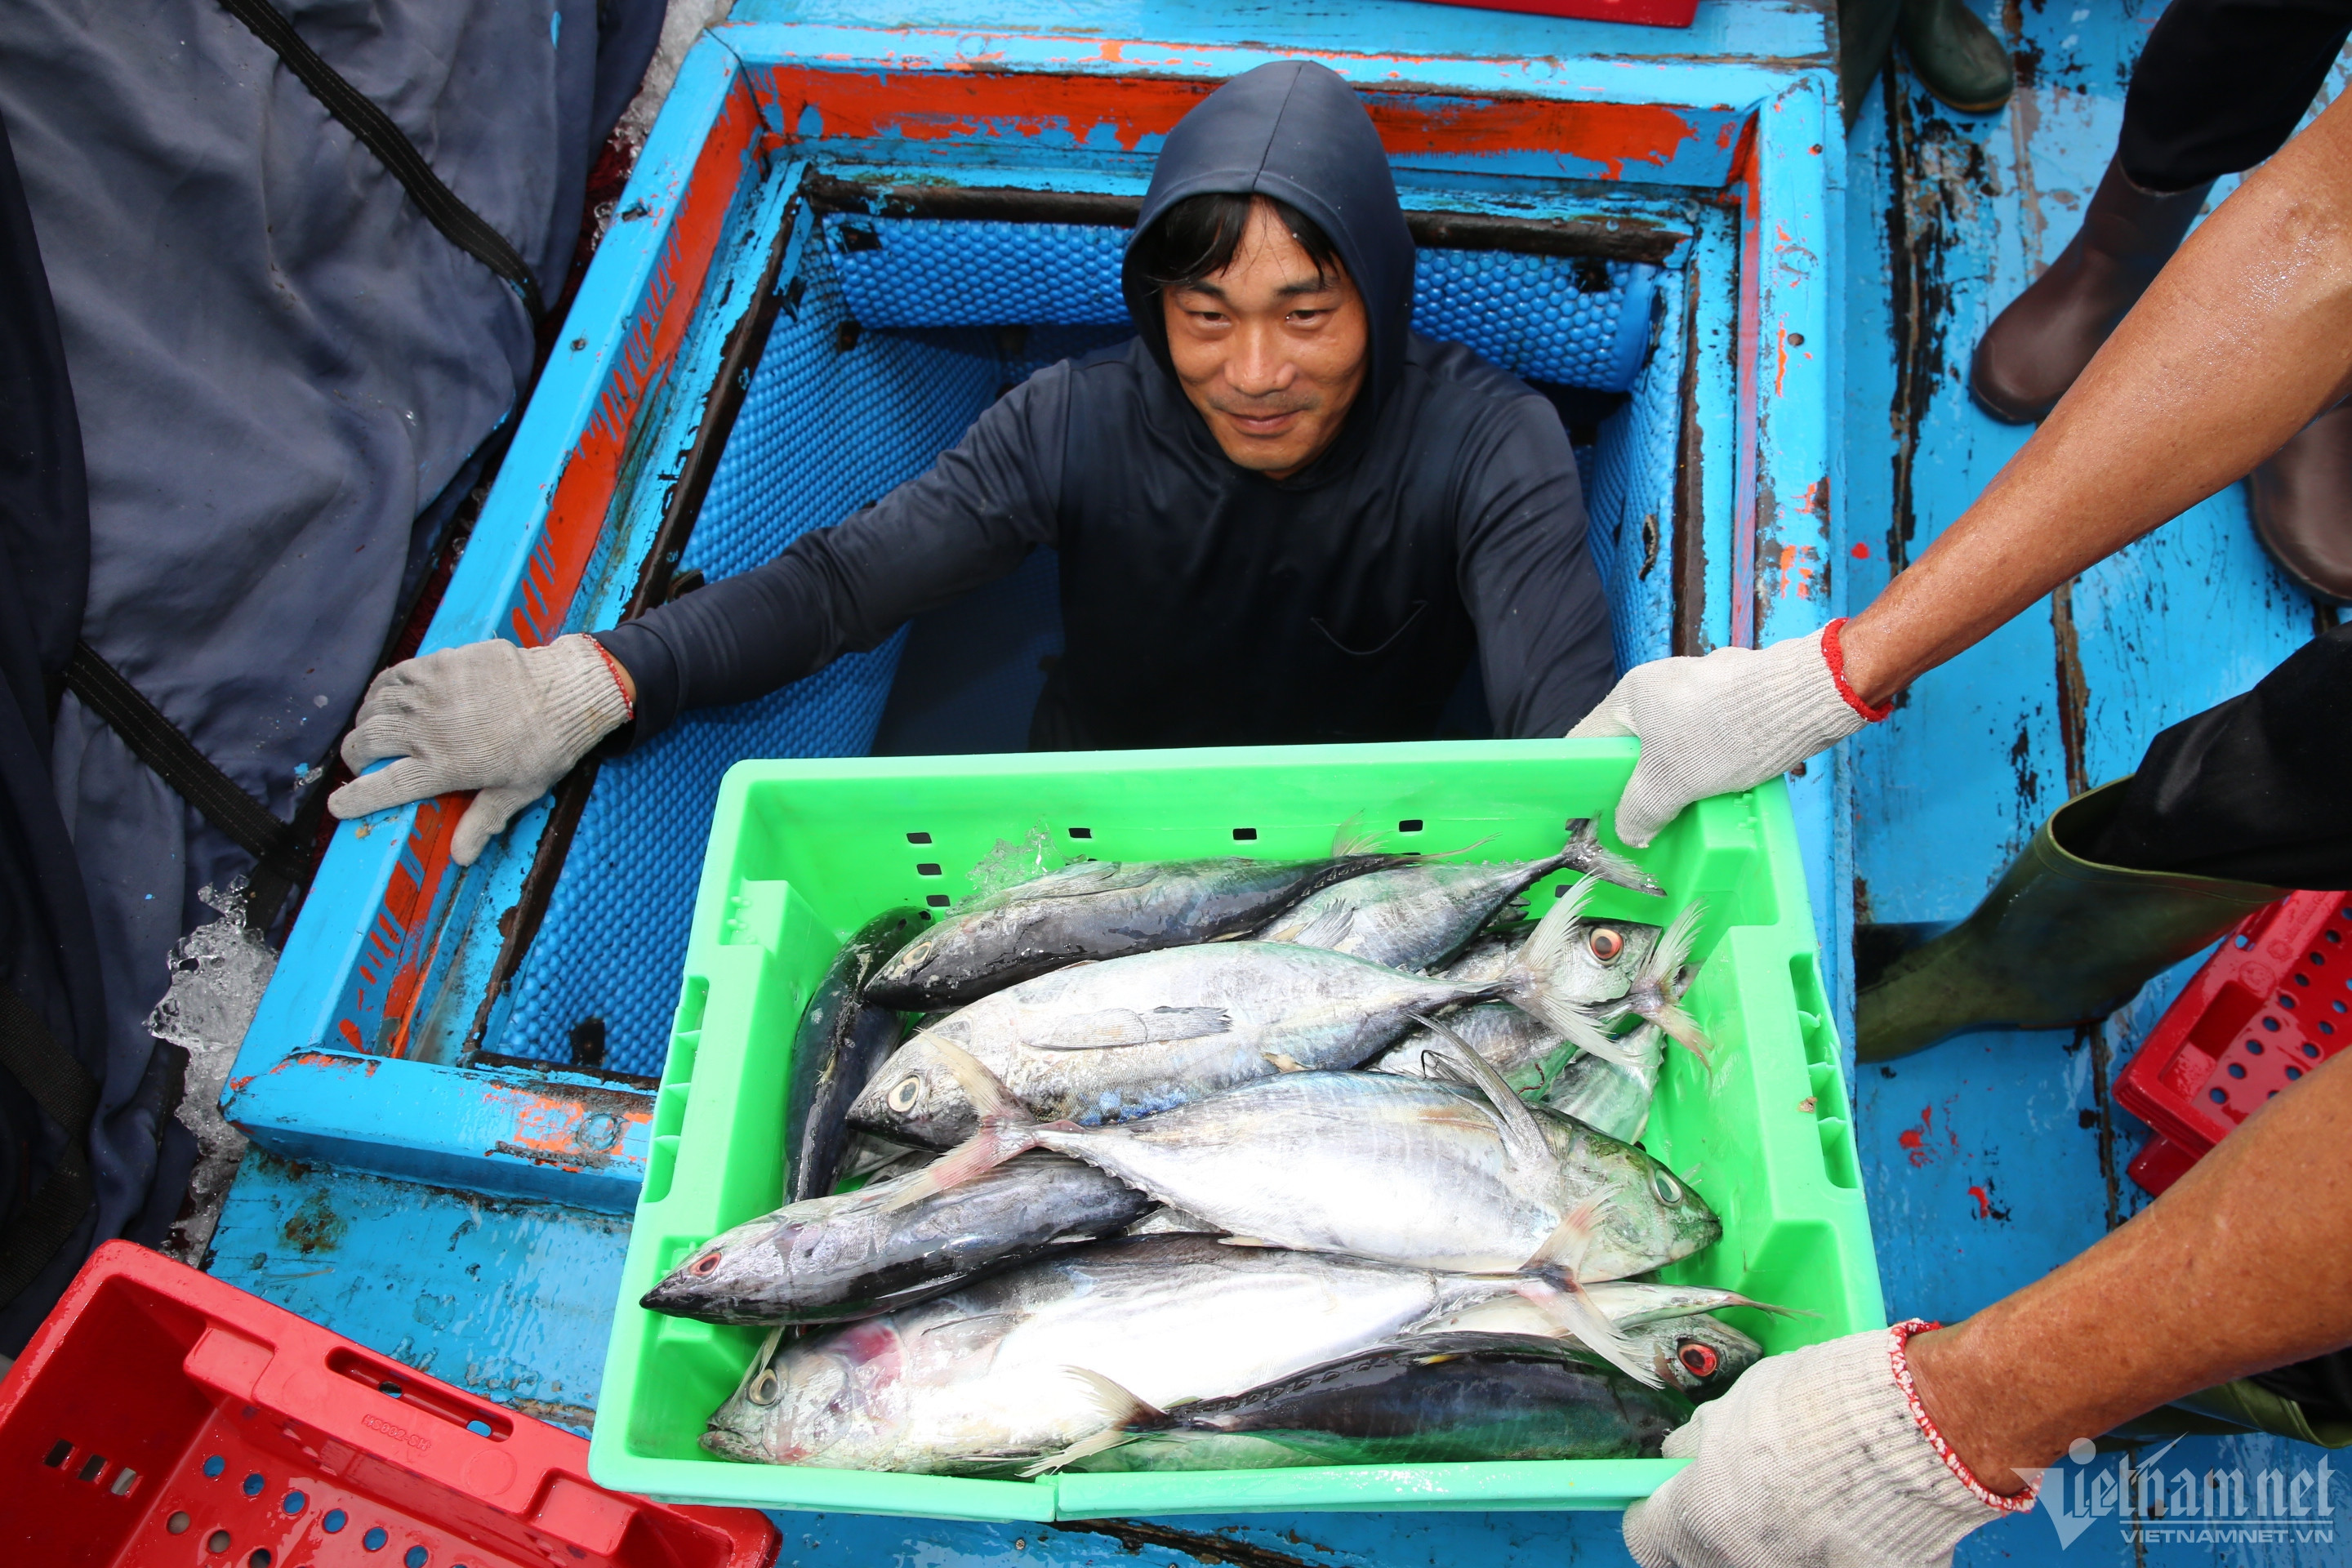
{"points": [[160, 1417], [2273, 1003]]}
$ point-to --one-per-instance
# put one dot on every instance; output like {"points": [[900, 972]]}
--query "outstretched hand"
{"points": [[1723, 723], [504, 722]]}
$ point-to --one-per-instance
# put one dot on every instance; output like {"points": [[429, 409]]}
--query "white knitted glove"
{"points": [[1814, 1459], [504, 721], [1723, 723]]}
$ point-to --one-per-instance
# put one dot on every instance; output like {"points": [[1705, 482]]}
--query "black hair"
{"points": [[1197, 237]]}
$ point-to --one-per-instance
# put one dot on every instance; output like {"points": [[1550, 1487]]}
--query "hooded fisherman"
{"points": [[1282, 515]]}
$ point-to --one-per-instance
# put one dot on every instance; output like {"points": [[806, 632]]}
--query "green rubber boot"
{"points": [[2060, 940], [1957, 56]]}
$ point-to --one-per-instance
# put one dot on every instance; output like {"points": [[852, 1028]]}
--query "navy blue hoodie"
{"points": [[1203, 604]]}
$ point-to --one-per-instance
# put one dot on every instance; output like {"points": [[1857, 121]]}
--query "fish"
{"points": [[1128, 1037], [973, 1383], [1606, 962], [1420, 916], [1458, 1177], [827, 1259], [841, 1040], [1432, 1399], [1102, 910], [1693, 1351], [1609, 1096]]}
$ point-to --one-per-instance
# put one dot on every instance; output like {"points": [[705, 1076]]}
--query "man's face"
{"points": [[1270, 352]]}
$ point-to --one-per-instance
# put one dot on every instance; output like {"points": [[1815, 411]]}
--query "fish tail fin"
{"points": [[1587, 854], [1549, 941], [1657, 989], [1006, 1129], [1570, 1308], [1122, 1411], [1534, 984]]}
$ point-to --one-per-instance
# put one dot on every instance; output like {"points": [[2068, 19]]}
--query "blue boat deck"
{"points": [[1987, 1162]]}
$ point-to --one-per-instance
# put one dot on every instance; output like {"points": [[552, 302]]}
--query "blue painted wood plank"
{"points": [[1994, 1158], [1740, 33], [510, 1298]]}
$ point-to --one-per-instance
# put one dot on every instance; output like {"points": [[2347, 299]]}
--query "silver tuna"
{"points": [[1107, 1042], [978, 1382], [1096, 909], [1421, 915], [830, 1258]]}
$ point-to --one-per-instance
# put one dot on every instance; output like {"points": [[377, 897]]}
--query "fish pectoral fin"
{"points": [[1282, 1061], [1326, 928], [1115, 1027], [1563, 1250], [969, 1337], [1246, 1241]]}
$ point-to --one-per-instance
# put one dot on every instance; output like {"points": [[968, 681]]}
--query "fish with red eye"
{"points": [[1604, 944], [1700, 1360]]}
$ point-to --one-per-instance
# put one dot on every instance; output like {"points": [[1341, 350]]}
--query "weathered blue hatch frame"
{"points": [[375, 1046]]}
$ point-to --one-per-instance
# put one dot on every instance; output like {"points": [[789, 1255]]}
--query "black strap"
{"points": [[156, 742], [63, 1088], [464, 228]]}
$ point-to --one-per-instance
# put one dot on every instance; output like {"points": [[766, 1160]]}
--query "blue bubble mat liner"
{"points": [[1573, 321]]}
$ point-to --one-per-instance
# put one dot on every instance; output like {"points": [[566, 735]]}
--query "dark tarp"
{"points": [[282, 371], [49, 959]]}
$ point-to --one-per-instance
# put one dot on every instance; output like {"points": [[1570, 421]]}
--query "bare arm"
{"points": [[2241, 341], [2243, 1265]]}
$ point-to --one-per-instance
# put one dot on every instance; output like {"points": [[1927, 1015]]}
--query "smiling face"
{"points": [[1271, 351]]}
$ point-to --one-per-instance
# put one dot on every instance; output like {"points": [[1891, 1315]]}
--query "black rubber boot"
{"points": [[2060, 940], [2042, 341], [1956, 56], [1865, 38]]}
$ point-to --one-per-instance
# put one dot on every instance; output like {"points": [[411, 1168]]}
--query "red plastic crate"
{"points": [[2274, 1001], [1643, 13], [160, 1417]]}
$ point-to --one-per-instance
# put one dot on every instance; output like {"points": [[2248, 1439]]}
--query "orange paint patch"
{"points": [[935, 106], [575, 515], [1797, 571], [1610, 134], [548, 1124], [408, 902]]}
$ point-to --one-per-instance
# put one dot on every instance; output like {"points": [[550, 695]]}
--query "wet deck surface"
{"points": [[1988, 1162]]}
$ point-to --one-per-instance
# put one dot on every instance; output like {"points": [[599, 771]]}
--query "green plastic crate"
{"points": [[802, 852]]}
